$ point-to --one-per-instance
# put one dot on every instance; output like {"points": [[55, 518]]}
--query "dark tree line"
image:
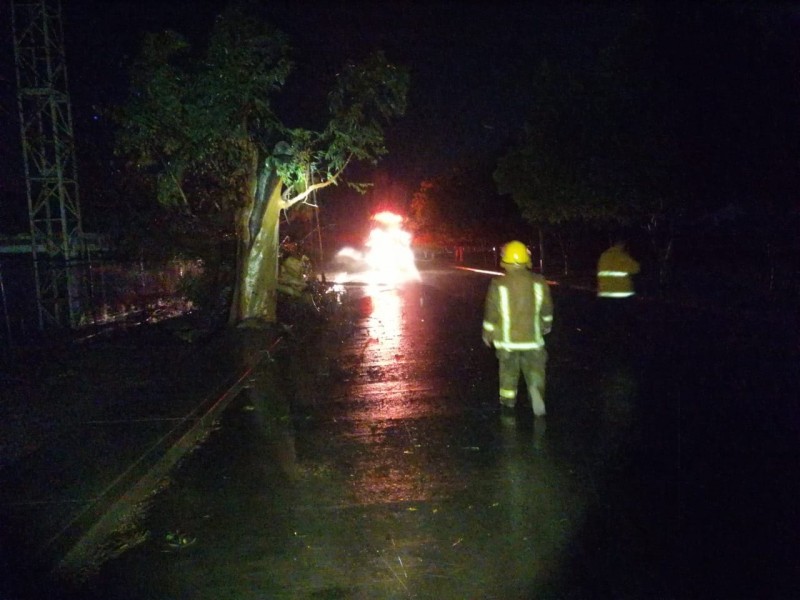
{"points": [[690, 116]]}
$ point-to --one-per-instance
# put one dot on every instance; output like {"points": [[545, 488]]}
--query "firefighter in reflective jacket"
{"points": [[518, 313], [614, 270]]}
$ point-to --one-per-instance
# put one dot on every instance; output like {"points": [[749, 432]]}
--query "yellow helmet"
{"points": [[516, 253]]}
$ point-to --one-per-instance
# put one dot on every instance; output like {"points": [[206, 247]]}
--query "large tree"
{"points": [[661, 131], [443, 208], [605, 146], [202, 123], [557, 172]]}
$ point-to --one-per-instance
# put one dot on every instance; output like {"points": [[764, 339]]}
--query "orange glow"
{"points": [[388, 218]]}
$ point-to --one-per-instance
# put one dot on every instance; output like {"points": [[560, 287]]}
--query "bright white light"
{"points": [[387, 260]]}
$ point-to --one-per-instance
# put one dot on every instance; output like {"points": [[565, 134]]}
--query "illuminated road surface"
{"points": [[375, 466]]}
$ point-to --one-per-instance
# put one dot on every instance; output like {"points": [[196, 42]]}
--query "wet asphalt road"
{"points": [[373, 464]]}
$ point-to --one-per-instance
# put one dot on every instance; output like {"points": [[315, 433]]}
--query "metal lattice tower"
{"points": [[48, 146]]}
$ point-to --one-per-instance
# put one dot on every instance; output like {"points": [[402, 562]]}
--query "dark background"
{"points": [[730, 69]]}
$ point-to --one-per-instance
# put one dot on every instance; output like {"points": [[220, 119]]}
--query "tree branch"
{"points": [[289, 202], [178, 187]]}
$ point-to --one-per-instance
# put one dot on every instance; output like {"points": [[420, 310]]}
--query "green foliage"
{"points": [[657, 134], [365, 98], [557, 172], [197, 122], [202, 124], [547, 188]]}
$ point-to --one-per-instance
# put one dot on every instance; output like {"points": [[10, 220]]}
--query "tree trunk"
{"points": [[541, 251], [562, 244], [255, 294], [661, 232]]}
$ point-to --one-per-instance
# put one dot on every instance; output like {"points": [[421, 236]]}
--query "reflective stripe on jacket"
{"points": [[518, 310], [613, 273]]}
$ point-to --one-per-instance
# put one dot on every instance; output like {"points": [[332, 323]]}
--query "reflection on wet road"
{"points": [[449, 501], [374, 465]]}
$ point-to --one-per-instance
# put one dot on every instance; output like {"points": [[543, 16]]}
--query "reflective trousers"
{"points": [[531, 363]]}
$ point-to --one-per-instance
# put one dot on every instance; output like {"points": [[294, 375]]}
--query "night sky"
{"points": [[472, 68]]}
